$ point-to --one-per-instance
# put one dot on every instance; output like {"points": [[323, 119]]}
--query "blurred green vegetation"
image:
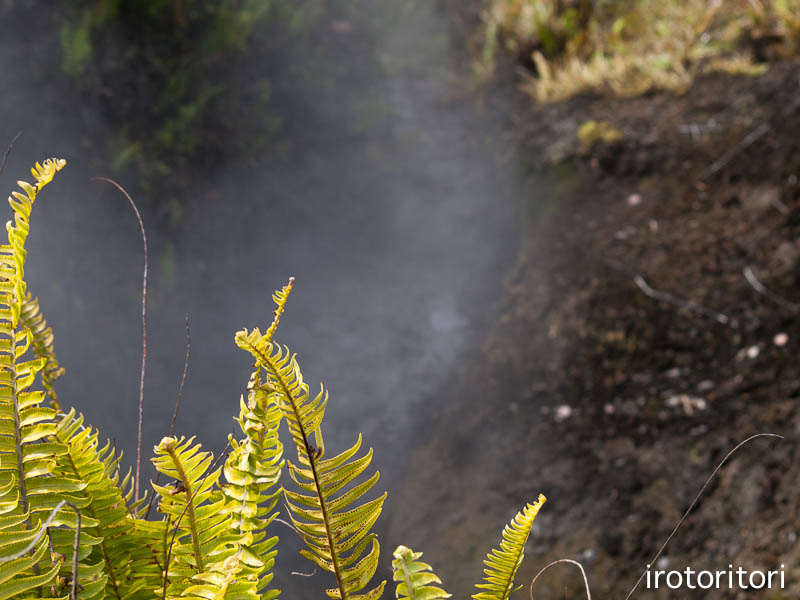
{"points": [[628, 47], [162, 71], [593, 133]]}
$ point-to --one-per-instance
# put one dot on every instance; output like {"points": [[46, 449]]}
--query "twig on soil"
{"points": [[759, 287], [572, 562], [648, 291], [694, 503], [144, 332], [748, 140], [8, 151]]}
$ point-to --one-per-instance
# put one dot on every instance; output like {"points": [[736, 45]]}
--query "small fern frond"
{"points": [[186, 465], [336, 532], [254, 465], [31, 319], [196, 510], [414, 578], [252, 471], [502, 564]]}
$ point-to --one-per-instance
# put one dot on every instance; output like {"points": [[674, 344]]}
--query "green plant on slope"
{"points": [[70, 526], [629, 47]]}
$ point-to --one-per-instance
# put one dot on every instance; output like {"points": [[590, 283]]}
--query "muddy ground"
{"points": [[650, 323]]}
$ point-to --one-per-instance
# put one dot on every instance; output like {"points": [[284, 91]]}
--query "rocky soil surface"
{"points": [[650, 324]]}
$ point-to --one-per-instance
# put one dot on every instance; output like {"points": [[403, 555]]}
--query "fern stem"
{"points": [[187, 484], [407, 577], [317, 486]]}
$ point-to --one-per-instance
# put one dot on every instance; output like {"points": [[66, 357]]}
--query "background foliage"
{"points": [[628, 47]]}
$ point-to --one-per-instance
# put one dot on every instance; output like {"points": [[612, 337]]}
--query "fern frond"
{"points": [[414, 578], [252, 471], [195, 509], [105, 515], [335, 529], [147, 564], [502, 564], [31, 319], [28, 454]]}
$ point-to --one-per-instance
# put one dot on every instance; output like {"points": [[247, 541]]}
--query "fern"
{"points": [[502, 564], [67, 510], [252, 470], [28, 456], [336, 533], [105, 513], [414, 578], [194, 510]]}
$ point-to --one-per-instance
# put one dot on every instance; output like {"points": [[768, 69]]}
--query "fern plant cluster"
{"points": [[71, 526]]}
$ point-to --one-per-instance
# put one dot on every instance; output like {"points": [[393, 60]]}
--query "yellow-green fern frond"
{"points": [[43, 173], [28, 452], [31, 318], [147, 563], [13, 255], [195, 509], [414, 578], [502, 564], [254, 465], [335, 528], [105, 515], [252, 472]]}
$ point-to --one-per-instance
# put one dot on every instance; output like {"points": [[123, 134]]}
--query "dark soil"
{"points": [[617, 399]]}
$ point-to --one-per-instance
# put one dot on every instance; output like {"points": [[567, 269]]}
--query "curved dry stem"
{"points": [[694, 503], [8, 151], [183, 378], [557, 562], [144, 333], [175, 410]]}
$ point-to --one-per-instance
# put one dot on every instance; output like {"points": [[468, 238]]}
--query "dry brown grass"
{"points": [[628, 47]]}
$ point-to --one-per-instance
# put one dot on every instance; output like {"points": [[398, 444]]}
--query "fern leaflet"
{"points": [[31, 319], [502, 564], [414, 578]]}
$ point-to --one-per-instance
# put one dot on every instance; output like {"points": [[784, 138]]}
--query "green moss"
{"points": [[594, 133]]}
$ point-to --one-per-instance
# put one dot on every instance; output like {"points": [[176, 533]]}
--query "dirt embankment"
{"points": [[651, 323]]}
